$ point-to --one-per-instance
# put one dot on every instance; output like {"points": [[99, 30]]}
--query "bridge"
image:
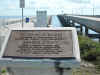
{"points": [[89, 22]]}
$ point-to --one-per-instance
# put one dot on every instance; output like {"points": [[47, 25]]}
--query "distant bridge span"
{"points": [[90, 22], [86, 21]]}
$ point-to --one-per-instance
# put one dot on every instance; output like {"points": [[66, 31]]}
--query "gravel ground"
{"points": [[86, 69]]}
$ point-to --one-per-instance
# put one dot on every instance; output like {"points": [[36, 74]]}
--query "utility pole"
{"points": [[22, 18], [22, 6], [93, 7]]}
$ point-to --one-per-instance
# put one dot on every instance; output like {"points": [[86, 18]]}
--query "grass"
{"points": [[85, 71], [3, 71], [90, 51]]}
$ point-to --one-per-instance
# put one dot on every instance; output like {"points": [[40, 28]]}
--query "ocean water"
{"points": [[6, 17]]}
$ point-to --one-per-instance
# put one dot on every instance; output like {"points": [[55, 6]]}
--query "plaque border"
{"points": [[76, 50]]}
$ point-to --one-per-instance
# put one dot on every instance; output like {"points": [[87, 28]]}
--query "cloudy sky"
{"points": [[11, 7]]}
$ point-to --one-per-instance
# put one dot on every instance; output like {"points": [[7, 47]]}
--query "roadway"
{"points": [[90, 22]]}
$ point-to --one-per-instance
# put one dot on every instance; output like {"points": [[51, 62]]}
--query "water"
{"points": [[4, 20], [6, 17], [55, 22], [89, 31]]}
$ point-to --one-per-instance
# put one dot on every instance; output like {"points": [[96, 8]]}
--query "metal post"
{"points": [[93, 7], [22, 18], [93, 11]]}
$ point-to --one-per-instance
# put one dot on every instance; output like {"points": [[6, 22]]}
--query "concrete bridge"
{"points": [[88, 22]]}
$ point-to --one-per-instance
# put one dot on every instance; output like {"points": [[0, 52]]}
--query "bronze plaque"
{"points": [[39, 44]]}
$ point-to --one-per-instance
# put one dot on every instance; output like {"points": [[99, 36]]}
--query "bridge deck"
{"points": [[90, 22]]}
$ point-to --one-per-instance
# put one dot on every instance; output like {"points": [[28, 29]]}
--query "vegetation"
{"points": [[3, 71], [90, 50]]}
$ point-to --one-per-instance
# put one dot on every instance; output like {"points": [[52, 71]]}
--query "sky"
{"points": [[12, 8]]}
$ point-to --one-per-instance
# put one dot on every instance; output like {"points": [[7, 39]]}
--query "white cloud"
{"points": [[52, 6], [80, 1], [95, 3]]}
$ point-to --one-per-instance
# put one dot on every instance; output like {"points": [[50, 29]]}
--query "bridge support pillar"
{"points": [[86, 31], [99, 38], [73, 24], [81, 29], [68, 22]]}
